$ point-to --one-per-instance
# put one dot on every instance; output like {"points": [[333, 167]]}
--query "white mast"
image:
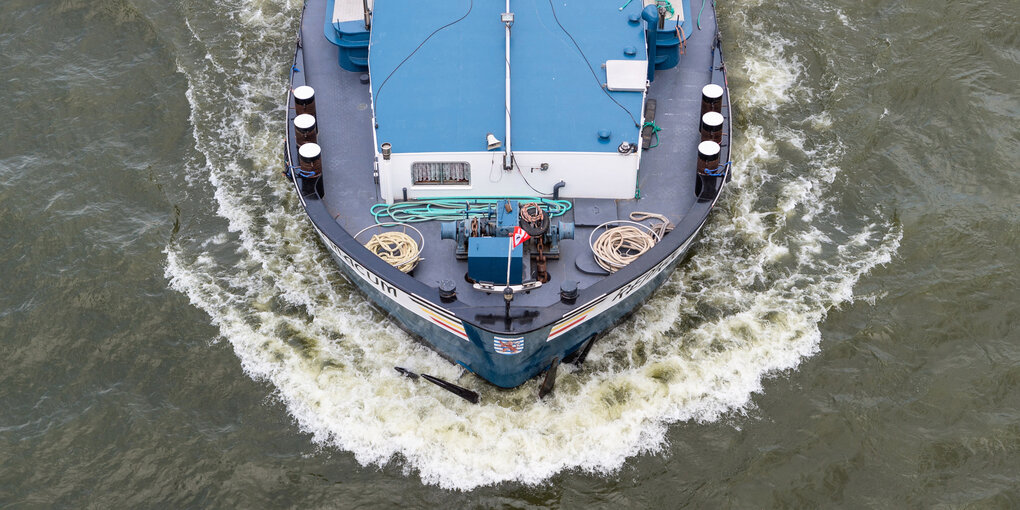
{"points": [[508, 19]]}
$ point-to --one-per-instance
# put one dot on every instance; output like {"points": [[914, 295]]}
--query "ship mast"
{"points": [[508, 19]]}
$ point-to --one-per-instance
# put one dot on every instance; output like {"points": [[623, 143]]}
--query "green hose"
{"points": [[455, 208]]}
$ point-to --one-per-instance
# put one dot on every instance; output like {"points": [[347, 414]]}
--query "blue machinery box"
{"points": [[487, 258], [506, 220]]}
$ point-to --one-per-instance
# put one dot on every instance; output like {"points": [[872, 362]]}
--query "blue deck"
{"points": [[556, 103]]}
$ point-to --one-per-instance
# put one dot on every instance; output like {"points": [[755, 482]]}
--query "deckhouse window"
{"points": [[441, 172]]}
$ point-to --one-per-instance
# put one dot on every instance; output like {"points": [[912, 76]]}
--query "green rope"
{"points": [[455, 208], [669, 6], [701, 11], [655, 131]]}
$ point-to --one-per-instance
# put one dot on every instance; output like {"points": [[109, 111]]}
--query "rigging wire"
{"points": [[518, 167], [590, 68], [471, 7]]}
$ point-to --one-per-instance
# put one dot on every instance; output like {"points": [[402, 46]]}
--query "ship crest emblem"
{"points": [[508, 345]]}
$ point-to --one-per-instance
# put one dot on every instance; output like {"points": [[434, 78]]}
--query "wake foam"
{"points": [[775, 257]]}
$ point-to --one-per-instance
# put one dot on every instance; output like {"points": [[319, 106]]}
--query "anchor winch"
{"points": [[485, 243]]}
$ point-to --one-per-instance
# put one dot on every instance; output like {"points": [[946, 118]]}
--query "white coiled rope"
{"points": [[660, 228], [625, 241]]}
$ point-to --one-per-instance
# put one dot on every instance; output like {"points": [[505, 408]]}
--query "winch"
{"points": [[485, 242]]}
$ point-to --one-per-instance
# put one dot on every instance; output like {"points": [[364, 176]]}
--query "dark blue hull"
{"points": [[506, 359]]}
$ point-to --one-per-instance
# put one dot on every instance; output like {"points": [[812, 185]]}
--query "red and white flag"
{"points": [[519, 236]]}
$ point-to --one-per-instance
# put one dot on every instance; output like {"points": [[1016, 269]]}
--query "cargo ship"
{"points": [[508, 180]]}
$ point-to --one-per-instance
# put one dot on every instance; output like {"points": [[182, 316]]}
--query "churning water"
{"points": [[841, 152], [780, 255]]}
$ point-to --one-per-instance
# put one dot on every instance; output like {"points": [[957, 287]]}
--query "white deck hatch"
{"points": [[350, 10], [627, 75]]}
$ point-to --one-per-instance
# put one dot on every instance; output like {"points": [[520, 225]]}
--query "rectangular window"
{"points": [[441, 172]]}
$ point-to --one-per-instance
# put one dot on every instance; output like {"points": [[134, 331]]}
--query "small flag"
{"points": [[519, 236], [508, 345]]}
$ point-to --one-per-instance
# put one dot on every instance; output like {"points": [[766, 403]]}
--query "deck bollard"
{"points": [[711, 127], [711, 98], [306, 129], [304, 100]]}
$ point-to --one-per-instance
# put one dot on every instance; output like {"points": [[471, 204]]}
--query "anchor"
{"points": [[460, 391], [550, 379]]}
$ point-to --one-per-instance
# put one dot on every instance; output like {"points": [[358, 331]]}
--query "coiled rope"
{"points": [[397, 249], [620, 245], [624, 242], [532, 212], [455, 208]]}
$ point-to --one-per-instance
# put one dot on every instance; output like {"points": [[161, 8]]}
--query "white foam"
{"points": [[773, 77], [843, 18], [698, 350]]}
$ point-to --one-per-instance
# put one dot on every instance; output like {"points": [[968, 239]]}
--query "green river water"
{"points": [[845, 334]]}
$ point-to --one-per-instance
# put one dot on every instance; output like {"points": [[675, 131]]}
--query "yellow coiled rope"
{"points": [[396, 248]]}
